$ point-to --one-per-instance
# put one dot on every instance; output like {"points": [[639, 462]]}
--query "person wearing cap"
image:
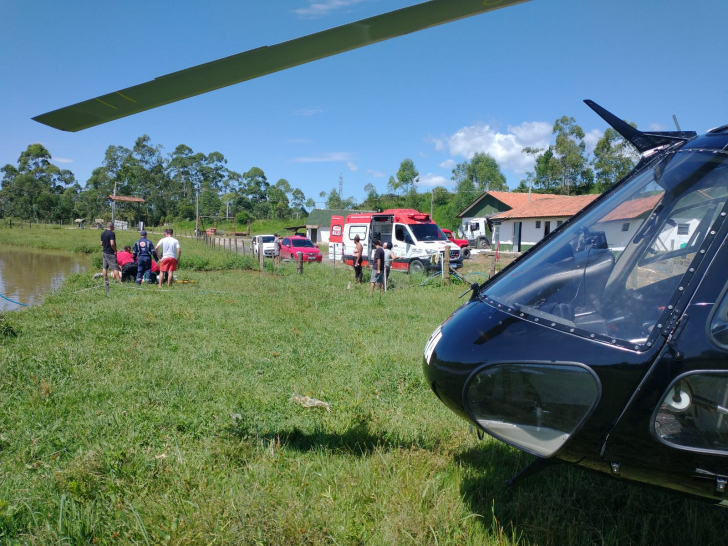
{"points": [[276, 249], [171, 253], [143, 253], [108, 253]]}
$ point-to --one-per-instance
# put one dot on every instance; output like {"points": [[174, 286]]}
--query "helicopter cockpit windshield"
{"points": [[613, 272]]}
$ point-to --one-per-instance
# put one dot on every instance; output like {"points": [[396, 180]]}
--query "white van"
{"points": [[417, 242], [265, 242]]}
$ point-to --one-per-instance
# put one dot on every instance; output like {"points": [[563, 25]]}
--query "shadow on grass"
{"points": [[359, 439], [565, 504]]}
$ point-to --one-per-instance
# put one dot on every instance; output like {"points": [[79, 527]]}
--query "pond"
{"points": [[27, 274]]}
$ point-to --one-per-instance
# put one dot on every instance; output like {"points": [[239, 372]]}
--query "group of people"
{"points": [[381, 262], [142, 258]]}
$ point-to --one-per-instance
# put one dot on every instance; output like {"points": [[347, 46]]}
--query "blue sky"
{"points": [[492, 83]]}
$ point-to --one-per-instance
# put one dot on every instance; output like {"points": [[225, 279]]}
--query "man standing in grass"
{"points": [[143, 253], [377, 267], [276, 249], [108, 253], [170, 253]]}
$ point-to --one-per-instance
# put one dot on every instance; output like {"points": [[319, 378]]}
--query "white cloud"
{"points": [[351, 166], [375, 174], [61, 160], [591, 138], [432, 180], [330, 157], [324, 7], [448, 164], [657, 127], [308, 111], [504, 147]]}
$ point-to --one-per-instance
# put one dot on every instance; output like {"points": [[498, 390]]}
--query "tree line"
{"points": [[173, 186]]}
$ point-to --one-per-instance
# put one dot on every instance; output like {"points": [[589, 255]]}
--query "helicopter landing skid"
{"points": [[534, 468]]}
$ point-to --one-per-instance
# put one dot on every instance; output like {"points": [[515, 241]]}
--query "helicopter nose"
{"points": [[489, 368]]}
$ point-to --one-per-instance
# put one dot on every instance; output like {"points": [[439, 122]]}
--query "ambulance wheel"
{"points": [[416, 266], [466, 254]]}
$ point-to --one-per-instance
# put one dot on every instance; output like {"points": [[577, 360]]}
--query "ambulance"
{"points": [[417, 242]]}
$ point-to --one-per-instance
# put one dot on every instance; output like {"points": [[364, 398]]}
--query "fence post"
{"points": [[446, 265], [492, 267], [230, 246], [261, 257], [299, 259]]}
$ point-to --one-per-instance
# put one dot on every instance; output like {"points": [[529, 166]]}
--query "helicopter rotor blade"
{"points": [[262, 61]]}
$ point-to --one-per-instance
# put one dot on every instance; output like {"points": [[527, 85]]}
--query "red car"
{"points": [[291, 246], [462, 243]]}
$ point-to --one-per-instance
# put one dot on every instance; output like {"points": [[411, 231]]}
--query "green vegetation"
{"points": [[153, 415], [176, 186]]}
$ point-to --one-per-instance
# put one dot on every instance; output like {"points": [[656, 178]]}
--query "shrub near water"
{"points": [[153, 415]]}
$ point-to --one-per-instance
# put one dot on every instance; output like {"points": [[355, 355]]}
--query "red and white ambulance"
{"points": [[417, 242]]}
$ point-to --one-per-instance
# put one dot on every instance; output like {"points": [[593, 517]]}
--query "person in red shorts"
{"points": [[168, 248]]}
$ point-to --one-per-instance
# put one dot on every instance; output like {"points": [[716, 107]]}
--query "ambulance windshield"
{"points": [[427, 232]]}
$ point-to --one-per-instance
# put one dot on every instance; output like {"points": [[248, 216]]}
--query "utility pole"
{"points": [[197, 224], [113, 207]]}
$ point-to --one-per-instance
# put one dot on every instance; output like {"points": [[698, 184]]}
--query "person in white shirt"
{"points": [[170, 252]]}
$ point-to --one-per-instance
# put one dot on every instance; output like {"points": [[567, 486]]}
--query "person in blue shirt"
{"points": [[143, 253]]}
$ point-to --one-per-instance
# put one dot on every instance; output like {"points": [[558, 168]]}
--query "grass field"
{"points": [[155, 416]]}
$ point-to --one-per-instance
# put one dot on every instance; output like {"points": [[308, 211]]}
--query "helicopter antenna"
{"points": [[642, 141], [674, 118]]}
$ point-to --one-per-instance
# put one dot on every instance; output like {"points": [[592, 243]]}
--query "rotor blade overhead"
{"points": [[264, 60]]}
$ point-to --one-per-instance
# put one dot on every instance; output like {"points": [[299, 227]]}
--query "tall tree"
{"points": [[256, 185], [33, 189], [483, 170], [297, 198], [407, 175], [614, 157], [570, 151]]}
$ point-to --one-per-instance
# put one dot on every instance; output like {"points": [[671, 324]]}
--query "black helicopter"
{"points": [[605, 345]]}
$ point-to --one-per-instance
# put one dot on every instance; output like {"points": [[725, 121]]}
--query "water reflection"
{"points": [[25, 274]]}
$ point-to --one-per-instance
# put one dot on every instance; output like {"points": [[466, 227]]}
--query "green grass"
{"points": [[196, 256], [257, 227], [150, 416]]}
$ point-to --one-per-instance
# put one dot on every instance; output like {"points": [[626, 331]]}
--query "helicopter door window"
{"points": [[693, 414], [719, 322]]}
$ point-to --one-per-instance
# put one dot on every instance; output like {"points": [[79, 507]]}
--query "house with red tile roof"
{"points": [[518, 221]]}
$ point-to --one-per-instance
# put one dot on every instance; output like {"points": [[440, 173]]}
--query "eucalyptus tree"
{"points": [[483, 170], [576, 175], [33, 188], [614, 157], [407, 175], [256, 185]]}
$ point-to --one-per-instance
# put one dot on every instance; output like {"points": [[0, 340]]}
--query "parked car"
{"points": [[291, 246], [266, 241], [462, 243]]}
